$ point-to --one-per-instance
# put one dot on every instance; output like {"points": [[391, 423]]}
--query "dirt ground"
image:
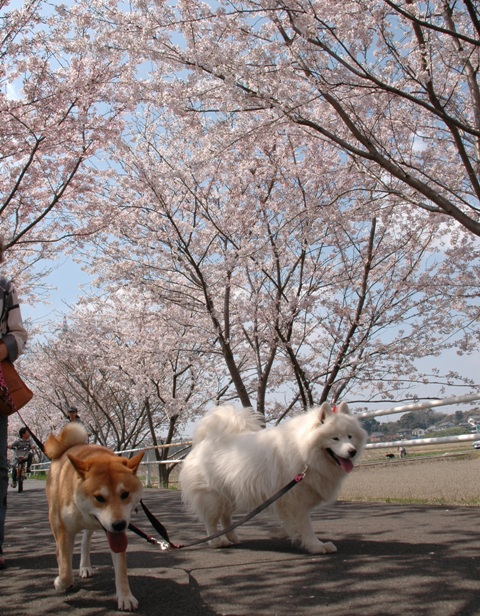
{"points": [[448, 479]]}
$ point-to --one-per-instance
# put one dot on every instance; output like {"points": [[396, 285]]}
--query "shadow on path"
{"points": [[391, 559]]}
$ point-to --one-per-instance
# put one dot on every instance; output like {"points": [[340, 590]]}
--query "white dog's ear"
{"points": [[342, 408], [324, 411]]}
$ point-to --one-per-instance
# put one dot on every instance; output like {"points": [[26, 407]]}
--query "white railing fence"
{"points": [[417, 406], [150, 463]]}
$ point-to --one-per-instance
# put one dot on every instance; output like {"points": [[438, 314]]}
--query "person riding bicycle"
{"points": [[23, 448]]}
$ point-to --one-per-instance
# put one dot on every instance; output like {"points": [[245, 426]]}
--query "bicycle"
{"points": [[20, 474]]}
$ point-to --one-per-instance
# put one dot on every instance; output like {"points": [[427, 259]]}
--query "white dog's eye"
{"points": [[100, 499], [335, 438], [350, 436]]}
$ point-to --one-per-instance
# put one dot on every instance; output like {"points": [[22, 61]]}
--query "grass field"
{"points": [[442, 475]]}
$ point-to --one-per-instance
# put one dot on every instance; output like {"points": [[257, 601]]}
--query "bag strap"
{"points": [[6, 296]]}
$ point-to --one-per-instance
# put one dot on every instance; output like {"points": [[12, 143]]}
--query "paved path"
{"points": [[391, 560]]}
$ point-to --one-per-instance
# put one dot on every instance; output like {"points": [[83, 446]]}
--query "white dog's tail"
{"points": [[227, 420], [73, 434]]}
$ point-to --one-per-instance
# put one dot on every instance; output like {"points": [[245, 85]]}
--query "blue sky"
{"points": [[66, 281]]}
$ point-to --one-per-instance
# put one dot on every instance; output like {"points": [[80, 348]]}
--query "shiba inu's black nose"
{"points": [[119, 526]]}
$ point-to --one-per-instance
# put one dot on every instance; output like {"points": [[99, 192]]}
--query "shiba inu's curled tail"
{"points": [[72, 434], [227, 420]]}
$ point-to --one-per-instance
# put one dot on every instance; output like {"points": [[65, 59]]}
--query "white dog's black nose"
{"points": [[119, 526], [352, 453]]}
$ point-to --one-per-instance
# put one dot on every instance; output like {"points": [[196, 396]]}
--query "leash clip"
{"points": [[301, 475], [163, 545]]}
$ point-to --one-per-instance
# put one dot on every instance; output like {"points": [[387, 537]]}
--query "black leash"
{"points": [[166, 543], [38, 442]]}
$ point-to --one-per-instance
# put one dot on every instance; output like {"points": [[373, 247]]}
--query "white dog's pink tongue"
{"points": [[117, 541], [346, 464]]}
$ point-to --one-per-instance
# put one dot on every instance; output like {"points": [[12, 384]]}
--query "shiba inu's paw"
{"points": [[127, 603], [86, 572], [62, 585], [320, 548]]}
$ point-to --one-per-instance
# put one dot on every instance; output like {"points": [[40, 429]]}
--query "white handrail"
{"points": [[43, 466], [418, 406], [424, 441]]}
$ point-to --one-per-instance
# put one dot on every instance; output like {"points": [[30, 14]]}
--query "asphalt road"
{"points": [[391, 559]]}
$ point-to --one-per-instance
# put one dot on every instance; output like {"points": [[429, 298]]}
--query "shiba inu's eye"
{"points": [[124, 495], [100, 499]]}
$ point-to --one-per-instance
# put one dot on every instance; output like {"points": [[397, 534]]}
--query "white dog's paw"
{"points": [[220, 542], [62, 585], [127, 603], [318, 547], [233, 537], [330, 548], [86, 572], [278, 533]]}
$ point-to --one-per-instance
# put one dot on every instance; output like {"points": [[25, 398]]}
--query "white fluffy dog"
{"points": [[235, 464]]}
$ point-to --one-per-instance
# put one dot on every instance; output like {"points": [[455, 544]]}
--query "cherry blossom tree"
{"points": [[291, 188], [386, 89], [392, 85], [290, 279], [59, 108], [135, 376]]}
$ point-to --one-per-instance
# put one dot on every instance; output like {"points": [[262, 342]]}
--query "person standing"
{"points": [[12, 342]]}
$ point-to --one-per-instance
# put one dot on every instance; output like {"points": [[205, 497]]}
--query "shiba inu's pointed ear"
{"points": [[342, 408], [79, 465], [134, 463], [324, 411]]}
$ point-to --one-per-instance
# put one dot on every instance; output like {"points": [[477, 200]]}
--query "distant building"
{"points": [[418, 432]]}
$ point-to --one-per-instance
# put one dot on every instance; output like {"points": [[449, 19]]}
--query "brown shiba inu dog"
{"points": [[90, 488]]}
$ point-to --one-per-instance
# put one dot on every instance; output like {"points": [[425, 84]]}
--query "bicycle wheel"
{"points": [[20, 475]]}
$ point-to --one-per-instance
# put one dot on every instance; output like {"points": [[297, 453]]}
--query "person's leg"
{"points": [[3, 481]]}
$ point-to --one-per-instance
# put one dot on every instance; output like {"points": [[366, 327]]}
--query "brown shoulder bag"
{"points": [[14, 393]]}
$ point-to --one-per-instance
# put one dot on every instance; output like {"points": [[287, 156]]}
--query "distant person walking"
{"points": [[73, 415]]}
